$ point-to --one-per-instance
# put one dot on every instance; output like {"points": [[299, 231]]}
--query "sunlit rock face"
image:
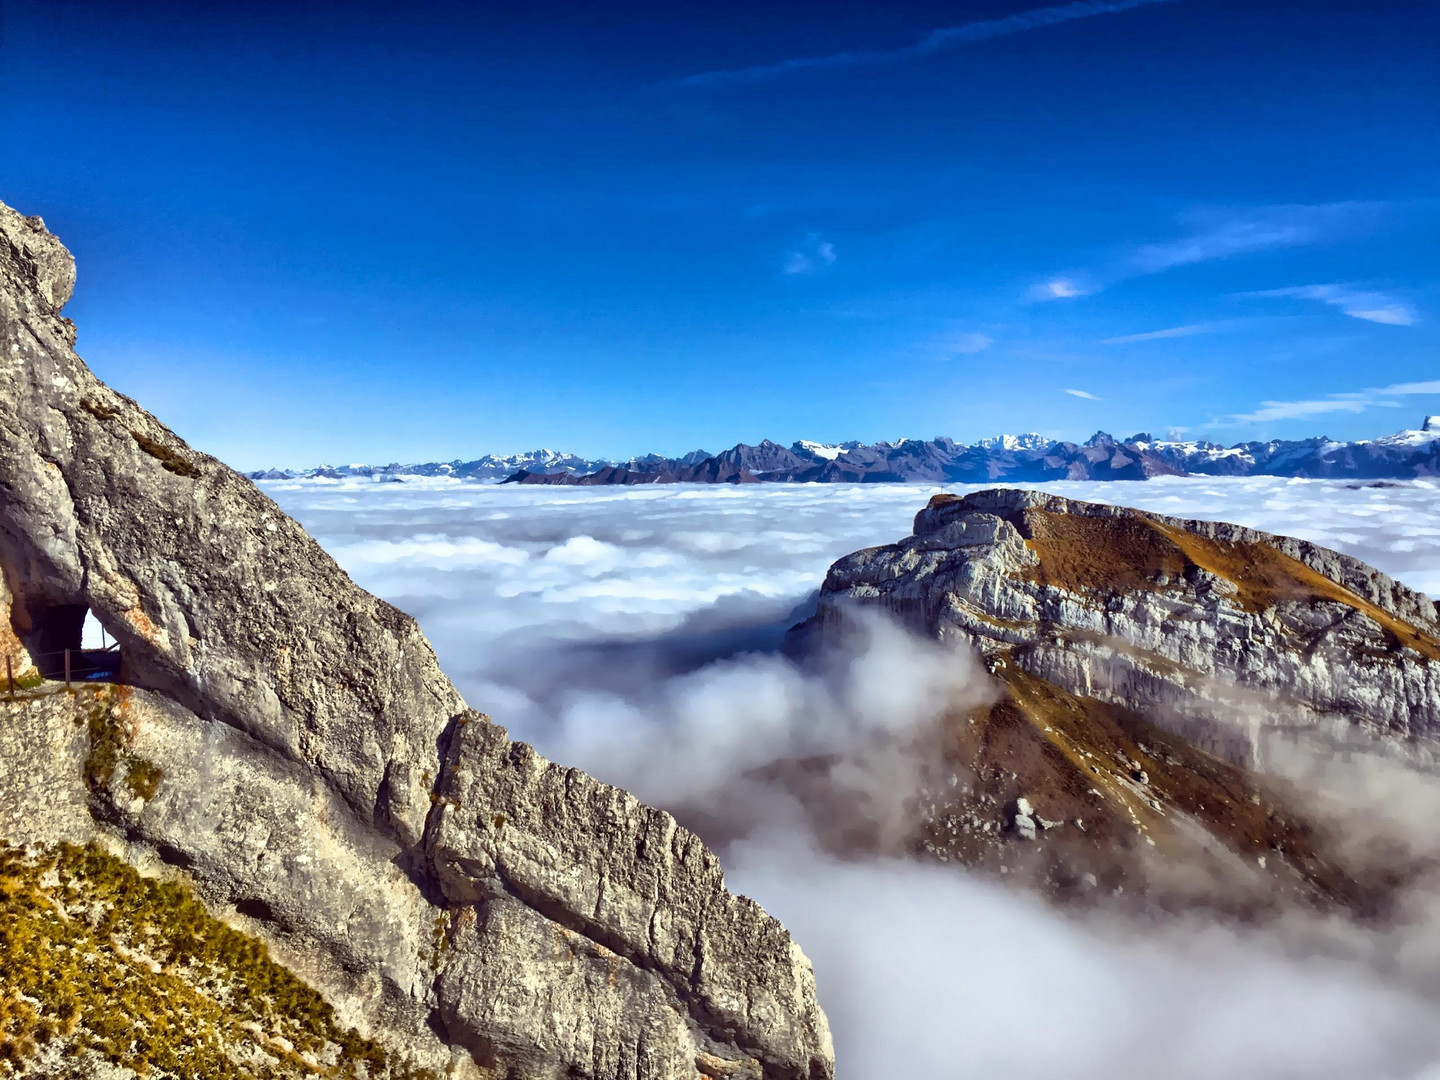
{"points": [[286, 743], [1214, 629], [1147, 670]]}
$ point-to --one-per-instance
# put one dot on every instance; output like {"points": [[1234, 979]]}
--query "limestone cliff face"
{"points": [[321, 778], [1196, 620], [1145, 665]]}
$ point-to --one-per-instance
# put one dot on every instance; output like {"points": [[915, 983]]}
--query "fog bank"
{"points": [[633, 633]]}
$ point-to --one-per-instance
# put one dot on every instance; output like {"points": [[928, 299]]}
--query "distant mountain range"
{"points": [[1406, 454]]}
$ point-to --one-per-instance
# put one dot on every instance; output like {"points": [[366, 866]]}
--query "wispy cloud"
{"points": [[1296, 410], [1220, 234], [1212, 234], [1059, 288], [810, 256], [1083, 394], [1356, 402], [935, 41], [969, 343], [1158, 335], [1367, 304]]}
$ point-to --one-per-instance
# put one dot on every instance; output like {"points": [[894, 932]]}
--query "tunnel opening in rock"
{"points": [[66, 640]]}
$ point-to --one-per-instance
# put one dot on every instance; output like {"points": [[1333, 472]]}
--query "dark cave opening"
{"points": [[68, 631]]}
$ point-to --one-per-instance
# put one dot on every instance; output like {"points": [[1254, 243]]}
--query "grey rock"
{"points": [[1023, 819], [1276, 633], [320, 778], [511, 824]]}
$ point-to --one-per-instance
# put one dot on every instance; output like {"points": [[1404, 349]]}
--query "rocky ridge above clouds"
{"points": [[1148, 672]]}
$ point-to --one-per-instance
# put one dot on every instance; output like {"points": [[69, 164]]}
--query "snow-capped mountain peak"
{"points": [[1031, 440], [820, 450], [1001, 458]]}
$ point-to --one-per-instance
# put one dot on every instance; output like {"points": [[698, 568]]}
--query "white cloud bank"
{"points": [[627, 631]]}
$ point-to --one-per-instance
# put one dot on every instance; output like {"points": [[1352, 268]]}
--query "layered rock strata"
{"points": [[1147, 668], [287, 743], [1195, 621]]}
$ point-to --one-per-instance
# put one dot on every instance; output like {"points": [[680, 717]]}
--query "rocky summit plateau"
{"points": [[1146, 674], [265, 837]]}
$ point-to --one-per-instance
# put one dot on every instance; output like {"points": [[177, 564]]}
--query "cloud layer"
{"points": [[632, 632]]}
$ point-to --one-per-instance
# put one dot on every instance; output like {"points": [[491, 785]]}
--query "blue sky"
{"points": [[427, 231]]}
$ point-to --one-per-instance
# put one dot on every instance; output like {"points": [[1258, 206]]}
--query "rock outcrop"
{"points": [[286, 743], [1148, 667], [1190, 619]]}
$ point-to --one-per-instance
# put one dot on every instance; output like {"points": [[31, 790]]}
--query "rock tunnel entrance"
{"points": [[67, 639]]}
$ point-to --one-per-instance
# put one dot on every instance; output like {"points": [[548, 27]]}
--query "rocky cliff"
{"points": [[285, 749], [1147, 667]]}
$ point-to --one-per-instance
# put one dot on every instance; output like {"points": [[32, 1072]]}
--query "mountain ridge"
{"points": [[1150, 674], [1406, 454]]}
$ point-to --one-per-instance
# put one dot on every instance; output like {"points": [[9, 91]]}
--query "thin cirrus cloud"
{"points": [[1220, 234], [1355, 402], [1367, 304], [935, 41], [1083, 394], [1215, 234], [968, 343], [1159, 335]]}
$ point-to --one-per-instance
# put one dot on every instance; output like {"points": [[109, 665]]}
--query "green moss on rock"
{"points": [[97, 961]]}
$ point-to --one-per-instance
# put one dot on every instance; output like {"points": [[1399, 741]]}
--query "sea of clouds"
{"points": [[635, 632]]}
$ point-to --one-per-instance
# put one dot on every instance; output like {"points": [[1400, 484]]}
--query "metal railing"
{"points": [[82, 665]]}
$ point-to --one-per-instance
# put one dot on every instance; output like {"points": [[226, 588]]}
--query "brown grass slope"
{"points": [[1123, 808], [100, 966]]}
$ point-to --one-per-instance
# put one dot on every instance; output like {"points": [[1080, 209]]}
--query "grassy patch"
{"points": [[108, 751], [1080, 554], [97, 410], [169, 459], [143, 778], [97, 960]]}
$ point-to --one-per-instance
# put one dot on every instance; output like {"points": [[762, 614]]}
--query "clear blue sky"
{"points": [[421, 231]]}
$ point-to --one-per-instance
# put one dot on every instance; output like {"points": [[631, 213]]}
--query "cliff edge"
{"points": [[1148, 672], [282, 745]]}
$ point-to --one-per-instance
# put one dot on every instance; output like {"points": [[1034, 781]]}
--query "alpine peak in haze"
{"points": [[1025, 458]]}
